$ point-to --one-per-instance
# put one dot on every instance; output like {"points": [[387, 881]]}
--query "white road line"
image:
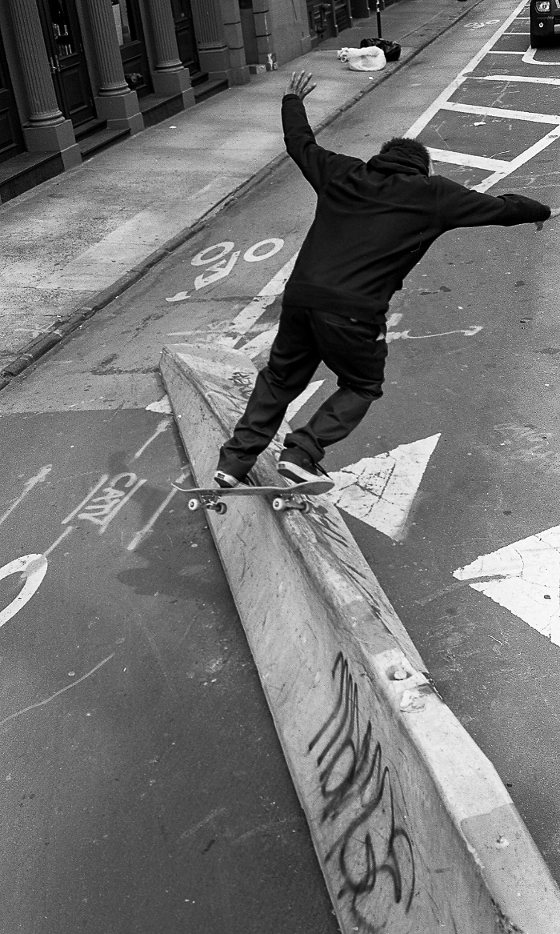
{"points": [[519, 161], [249, 315], [527, 79], [465, 158], [503, 52], [93, 490], [103, 525], [141, 534], [259, 343], [501, 112], [161, 427], [304, 397], [39, 478], [529, 59], [425, 118], [67, 531]]}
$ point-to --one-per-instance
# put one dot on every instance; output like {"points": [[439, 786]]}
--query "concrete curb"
{"points": [[414, 831], [38, 347]]}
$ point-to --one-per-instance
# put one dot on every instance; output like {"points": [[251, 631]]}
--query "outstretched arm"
{"points": [[316, 163]]}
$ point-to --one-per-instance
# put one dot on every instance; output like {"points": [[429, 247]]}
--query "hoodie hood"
{"points": [[394, 161]]}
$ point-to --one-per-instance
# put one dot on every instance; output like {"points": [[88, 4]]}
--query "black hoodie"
{"points": [[375, 220]]}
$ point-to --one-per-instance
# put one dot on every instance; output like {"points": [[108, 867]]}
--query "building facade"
{"points": [[78, 75]]}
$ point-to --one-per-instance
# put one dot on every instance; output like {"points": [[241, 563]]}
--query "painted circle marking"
{"points": [[33, 568], [251, 254], [223, 248]]}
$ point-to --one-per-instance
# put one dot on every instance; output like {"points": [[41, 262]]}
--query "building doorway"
{"points": [[184, 30], [11, 138], [128, 22], [63, 39]]}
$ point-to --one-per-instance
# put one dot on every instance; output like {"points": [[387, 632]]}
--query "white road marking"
{"points": [[529, 58], [524, 578], [178, 297], [32, 569], [525, 79], [516, 163], [251, 313], [304, 397], [431, 111], [223, 248], [381, 490], [260, 343], [39, 478], [442, 102], [253, 256], [465, 158], [407, 336], [220, 270], [162, 406], [499, 112], [86, 499], [67, 531], [160, 428], [141, 534], [102, 509]]}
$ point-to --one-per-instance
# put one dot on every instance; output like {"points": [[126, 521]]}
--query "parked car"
{"points": [[545, 21]]}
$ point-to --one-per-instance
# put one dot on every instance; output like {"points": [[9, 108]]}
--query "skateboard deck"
{"points": [[283, 497]]}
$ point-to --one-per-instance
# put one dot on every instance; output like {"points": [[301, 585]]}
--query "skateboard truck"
{"points": [[207, 502], [284, 503]]}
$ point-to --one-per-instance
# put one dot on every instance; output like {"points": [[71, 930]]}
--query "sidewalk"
{"points": [[71, 245]]}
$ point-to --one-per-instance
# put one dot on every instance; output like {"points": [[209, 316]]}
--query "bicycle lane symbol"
{"points": [[220, 259]]}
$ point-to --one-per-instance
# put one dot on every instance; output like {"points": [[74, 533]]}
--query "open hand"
{"points": [[300, 85]]}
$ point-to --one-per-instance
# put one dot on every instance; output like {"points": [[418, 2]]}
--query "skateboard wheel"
{"points": [[278, 504], [193, 504], [221, 508], [306, 508]]}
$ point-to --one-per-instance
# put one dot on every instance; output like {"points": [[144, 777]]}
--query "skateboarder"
{"points": [[373, 222]]}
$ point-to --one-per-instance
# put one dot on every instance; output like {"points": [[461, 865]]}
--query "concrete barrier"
{"points": [[414, 831]]}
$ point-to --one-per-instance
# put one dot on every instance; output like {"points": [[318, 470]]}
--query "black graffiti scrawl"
{"points": [[372, 851]]}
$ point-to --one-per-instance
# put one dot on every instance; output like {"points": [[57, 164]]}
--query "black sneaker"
{"points": [[296, 465], [225, 480]]}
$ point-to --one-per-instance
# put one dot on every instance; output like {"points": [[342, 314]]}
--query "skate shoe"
{"points": [[296, 465], [225, 480]]}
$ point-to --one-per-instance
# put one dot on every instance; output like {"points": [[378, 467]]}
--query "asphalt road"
{"points": [[144, 787]]}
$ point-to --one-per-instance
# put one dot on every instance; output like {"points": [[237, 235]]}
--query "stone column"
{"points": [[210, 42], [47, 130], [114, 101], [233, 34], [170, 76], [263, 32]]}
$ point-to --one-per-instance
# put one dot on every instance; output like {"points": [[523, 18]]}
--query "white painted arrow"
{"points": [[381, 490], [524, 578]]}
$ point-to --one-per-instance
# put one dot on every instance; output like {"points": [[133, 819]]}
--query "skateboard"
{"points": [[283, 497]]}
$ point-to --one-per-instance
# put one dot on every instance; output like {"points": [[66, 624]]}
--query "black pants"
{"points": [[353, 350]]}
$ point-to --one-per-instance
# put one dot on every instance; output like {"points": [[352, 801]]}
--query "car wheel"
{"points": [[537, 42]]}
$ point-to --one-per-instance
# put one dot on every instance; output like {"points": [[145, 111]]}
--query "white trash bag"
{"points": [[368, 59]]}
